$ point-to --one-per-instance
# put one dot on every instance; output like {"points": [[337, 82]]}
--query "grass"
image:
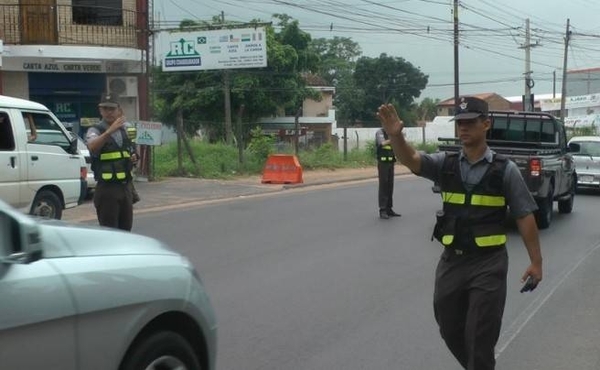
{"points": [[220, 161]]}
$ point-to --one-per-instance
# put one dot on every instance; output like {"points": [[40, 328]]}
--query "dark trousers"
{"points": [[114, 206], [385, 171], [468, 302]]}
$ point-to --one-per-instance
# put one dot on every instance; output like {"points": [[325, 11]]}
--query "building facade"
{"points": [[495, 102], [66, 53], [315, 125]]}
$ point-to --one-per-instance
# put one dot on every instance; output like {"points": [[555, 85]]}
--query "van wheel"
{"points": [[164, 350], [46, 204], [543, 216]]}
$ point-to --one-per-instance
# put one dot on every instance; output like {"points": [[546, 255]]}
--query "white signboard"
{"points": [[582, 121], [215, 49], [1, 50], [571, 102], [148, 133]]}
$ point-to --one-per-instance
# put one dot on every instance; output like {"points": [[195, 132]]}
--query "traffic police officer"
{"points": [[477, 185], [385, 171], [111, 151]]}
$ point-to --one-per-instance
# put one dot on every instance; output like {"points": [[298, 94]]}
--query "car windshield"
{"points": [[588, 148]]}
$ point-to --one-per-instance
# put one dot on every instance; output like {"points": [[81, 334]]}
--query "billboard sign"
{"points": [[149, 133], [215, 49]]}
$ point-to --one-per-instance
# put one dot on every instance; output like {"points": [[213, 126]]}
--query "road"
{"points": [[312, 280]]}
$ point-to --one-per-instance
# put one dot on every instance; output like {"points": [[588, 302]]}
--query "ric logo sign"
{"points": [[182, 53]]}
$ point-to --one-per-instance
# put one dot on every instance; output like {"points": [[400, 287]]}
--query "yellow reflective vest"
{"points": [[473, 219], [113, 164]]}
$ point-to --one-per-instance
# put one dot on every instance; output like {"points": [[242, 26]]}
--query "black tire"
{"points": [[163, 350], [566, 206], [47, 204], [543, 215]]}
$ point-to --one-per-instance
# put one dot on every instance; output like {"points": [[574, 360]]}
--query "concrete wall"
{"points": [[359, 137]]}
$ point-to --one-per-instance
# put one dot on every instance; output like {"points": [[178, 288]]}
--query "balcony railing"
{"points": [[71, 25]]}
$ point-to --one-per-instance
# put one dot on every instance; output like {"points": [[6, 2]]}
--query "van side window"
{"points": [[7, 140], [47, 129]]}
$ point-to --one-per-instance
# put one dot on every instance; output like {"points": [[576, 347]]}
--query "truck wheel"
{"points": [[163, 350], [566, 206], [46, 204], [543, 216]]}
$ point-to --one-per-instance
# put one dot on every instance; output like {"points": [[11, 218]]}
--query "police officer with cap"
{"points": [[477, 186], [112, 163], [386, 160]]}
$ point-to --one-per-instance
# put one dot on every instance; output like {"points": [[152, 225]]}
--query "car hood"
{"points": [[62, 239]]}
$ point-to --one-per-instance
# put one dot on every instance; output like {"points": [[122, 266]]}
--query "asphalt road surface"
{"points": [[314, 280]]}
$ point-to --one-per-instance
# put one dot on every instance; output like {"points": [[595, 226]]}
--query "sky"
{"points": [[492, 35]]}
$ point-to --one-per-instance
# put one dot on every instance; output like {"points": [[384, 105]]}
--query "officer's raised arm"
{"points": [[393, 126]]}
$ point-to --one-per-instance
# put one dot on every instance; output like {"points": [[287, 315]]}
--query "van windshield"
{"points": [[48, 130]]}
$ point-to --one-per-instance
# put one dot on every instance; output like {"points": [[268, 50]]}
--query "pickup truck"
{"points": [[537, 143]]}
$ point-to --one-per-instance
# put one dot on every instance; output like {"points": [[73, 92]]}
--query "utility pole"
{"points": [[527, 100], [456, 43], [554, 84], [227, 94], [563, 96], [456, 67]]}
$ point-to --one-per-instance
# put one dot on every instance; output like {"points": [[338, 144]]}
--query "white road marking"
{"points": [[522, 319]]}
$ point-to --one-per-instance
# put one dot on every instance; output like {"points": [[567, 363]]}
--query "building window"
{"points": [[98, 12]]}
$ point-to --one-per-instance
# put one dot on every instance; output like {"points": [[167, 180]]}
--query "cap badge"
{"points": [[463, 104]]}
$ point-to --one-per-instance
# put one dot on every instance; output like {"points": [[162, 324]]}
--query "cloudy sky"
{"points": [[492, 57]]}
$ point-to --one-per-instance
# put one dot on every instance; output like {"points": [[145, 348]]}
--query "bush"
{"points": [[220, 161], [261, 145]]}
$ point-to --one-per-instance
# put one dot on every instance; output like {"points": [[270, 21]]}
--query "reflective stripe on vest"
{"points": [[454, 198], [114, 155], [386, 159], [131, 133], [481, 241], [476, 200], [106, 176]]}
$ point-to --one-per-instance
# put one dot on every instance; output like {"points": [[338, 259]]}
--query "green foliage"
{"points": [[426, 110], [427, 147], [328, 157], [220, 161], [261, 145], [582, 131], [388, 79], [338, 57]]}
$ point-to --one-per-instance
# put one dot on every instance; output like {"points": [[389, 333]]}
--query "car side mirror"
{"points": [[20, 241], [574, 148]]}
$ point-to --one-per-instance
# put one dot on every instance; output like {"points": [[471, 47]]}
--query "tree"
{"points": [[349, 100], [338, 56], [426, 110], [388, 80]]}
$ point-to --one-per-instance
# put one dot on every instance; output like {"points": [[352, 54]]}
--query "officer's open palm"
{"points": [[390, 122]]}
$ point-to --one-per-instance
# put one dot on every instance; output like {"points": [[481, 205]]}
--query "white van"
{"points": [[42, 175]]}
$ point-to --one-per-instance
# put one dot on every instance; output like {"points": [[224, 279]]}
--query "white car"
{"points": [[587, 161], [77, 298]]}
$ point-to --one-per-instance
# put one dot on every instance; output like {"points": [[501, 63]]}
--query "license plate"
{"points": [[586, 178]]}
